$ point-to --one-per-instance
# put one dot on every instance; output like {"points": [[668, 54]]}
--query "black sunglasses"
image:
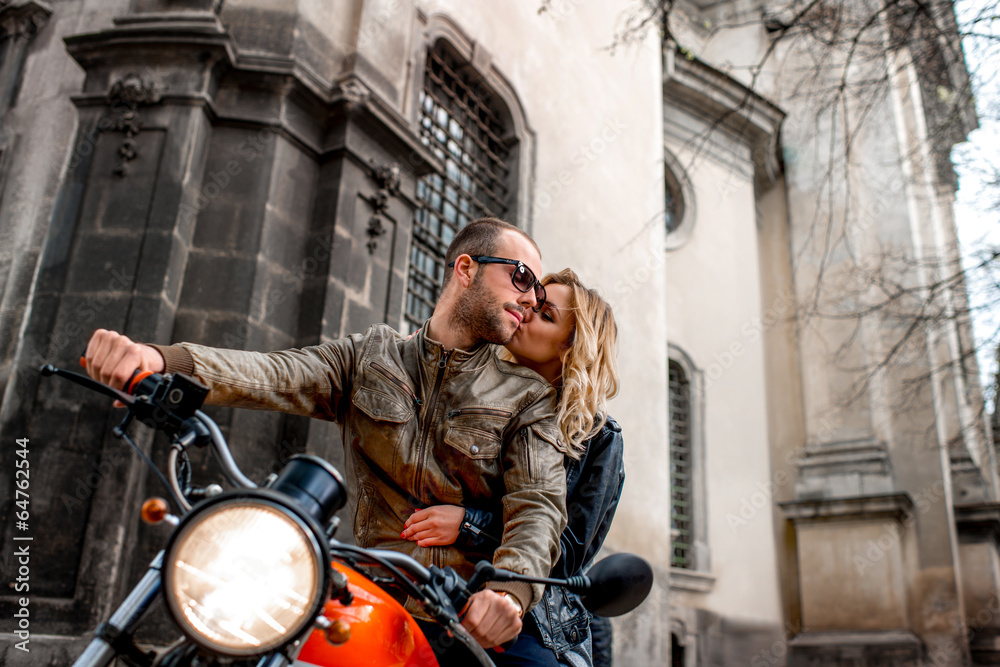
{"points": [[523, 278]]}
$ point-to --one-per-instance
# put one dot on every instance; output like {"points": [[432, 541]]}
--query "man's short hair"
{"points": [[480, 237]]}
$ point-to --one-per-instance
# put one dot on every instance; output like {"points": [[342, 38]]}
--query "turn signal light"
{"points": [[338, 633], [155, 510]]}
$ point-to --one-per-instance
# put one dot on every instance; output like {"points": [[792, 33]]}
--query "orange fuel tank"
{"points": [[374, 629]]}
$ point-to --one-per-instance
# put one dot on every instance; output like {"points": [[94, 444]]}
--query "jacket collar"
{"points": [[431, 351]]}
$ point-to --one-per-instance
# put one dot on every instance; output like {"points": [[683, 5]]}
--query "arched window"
{"points": [[678, 202], [690, 560], [467, 127], [673, 202], [681, 470]]}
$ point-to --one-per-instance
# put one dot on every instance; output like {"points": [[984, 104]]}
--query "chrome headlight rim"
{"points": [[259, 497]]}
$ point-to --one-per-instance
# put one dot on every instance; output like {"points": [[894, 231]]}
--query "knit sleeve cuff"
{"points": [[175, 359]]}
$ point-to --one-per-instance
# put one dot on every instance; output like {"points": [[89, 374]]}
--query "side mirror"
{"points": [[618, 584]]}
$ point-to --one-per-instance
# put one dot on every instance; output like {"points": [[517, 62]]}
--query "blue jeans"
{"points": [[527, 649]]}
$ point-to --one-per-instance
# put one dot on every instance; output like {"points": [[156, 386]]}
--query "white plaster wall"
{"points": [[715, 315], [598, 183], [595, 207]]}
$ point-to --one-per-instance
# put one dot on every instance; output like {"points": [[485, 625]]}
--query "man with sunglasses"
{"points": [[434, 419]]}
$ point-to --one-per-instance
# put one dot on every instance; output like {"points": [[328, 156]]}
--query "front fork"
{"points": [[115, 636]]}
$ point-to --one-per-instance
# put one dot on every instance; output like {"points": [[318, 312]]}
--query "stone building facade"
{"points": [[261, 174], [880, 484]]}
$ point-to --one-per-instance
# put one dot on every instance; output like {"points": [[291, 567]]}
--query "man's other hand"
{"points": [[111, 358], [492, 619]]}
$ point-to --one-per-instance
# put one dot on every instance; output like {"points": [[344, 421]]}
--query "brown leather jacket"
{"points": [[421, 426]]}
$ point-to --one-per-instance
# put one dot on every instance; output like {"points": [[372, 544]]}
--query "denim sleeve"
{"points": [[592, 501]]}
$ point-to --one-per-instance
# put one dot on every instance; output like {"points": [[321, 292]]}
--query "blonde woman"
{"points": [[571, 343]]}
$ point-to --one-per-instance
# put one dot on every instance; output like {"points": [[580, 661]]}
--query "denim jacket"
{"points": [[593, 487]]}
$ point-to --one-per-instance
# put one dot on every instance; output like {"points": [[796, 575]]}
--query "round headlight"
{"points": [[244, 576]]}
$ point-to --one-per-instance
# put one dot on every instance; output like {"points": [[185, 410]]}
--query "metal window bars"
{"points": [[681, 496], [459, 126]]}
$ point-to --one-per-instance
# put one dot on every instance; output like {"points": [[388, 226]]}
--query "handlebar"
{"points": [[168, 403], [224, 456], [401, 561]]}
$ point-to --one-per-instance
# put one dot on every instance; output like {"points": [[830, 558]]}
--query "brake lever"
{"points": [[89, 383]]}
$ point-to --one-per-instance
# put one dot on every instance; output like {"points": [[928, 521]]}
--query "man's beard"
{"points": [[483, 316]]}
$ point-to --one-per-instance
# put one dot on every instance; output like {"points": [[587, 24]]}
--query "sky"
{"points": [[976, 205]]}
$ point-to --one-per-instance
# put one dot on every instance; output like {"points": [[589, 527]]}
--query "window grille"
{"points": [[458, 123], [681, 492]]}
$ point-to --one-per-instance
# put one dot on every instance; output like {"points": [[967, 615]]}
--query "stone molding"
{"points": [[890, 505], [979, 518], [866, 455], [202, 32], [23, 18], [367, 108], [691, 581], [844, 468], [695, 86], [142, 40], [968, 481], [888, 648], [191, 21]]}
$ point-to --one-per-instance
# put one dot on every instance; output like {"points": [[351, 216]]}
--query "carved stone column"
{"points": [[111, 259], [20, 21], [210, 197]]}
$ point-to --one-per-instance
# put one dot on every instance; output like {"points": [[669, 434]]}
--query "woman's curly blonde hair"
{"points": [[590, 369]]}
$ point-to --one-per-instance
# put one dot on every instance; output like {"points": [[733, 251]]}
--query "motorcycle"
{"points": [[255, 576]]}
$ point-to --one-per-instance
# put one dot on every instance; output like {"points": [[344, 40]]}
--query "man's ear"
{"points": [[465, 270]]}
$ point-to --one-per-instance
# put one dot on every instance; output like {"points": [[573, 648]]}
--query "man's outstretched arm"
{"points": [[308, 381]]}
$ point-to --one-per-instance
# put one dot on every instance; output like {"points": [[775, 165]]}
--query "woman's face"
{"points": [[543, 337]]}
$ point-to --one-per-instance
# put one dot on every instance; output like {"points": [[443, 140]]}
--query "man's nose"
{"points": [[528, 299]]}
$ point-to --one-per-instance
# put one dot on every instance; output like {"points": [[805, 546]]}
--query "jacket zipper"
{"points": [[479, 411], [421, 452], [384, 372], [527, 454]]}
